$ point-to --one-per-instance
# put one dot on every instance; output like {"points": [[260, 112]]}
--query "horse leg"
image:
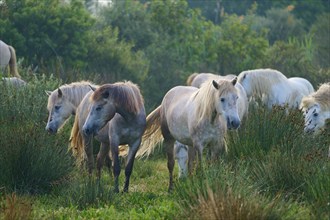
{"points": [[104, 151], [169, 146], [89, 152], [108, 162], [133, 148], [199, 149], [191, 159], [116, 164]]}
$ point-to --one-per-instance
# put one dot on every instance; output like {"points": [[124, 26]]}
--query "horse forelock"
{"points": [[125, 94], [262, 80], [207, 97], [74, 92], [321, 97]]}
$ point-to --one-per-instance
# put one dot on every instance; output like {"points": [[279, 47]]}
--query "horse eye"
{"points": [[98, 108], [222, 99], [316, 114], [57, 107]]}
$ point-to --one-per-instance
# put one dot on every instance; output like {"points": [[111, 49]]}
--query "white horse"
{"points": [[316, 109], [194, 117], [63, 102], [197, 79], [8, 58], [273, 88], [14, 81], [73, 99]]}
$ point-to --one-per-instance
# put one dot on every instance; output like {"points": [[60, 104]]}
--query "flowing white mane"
{"points": [[321, 96], [207, 95], [262, 80], [74, 92]]}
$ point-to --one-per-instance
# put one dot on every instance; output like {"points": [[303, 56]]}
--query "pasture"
{"points": [[272, 170]]}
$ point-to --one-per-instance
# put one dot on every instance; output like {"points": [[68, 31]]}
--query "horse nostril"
{"points": [[235, 123], [50, 130], [87, 131]]}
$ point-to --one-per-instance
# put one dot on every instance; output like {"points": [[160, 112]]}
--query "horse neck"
{"points": [[76, 94], [262, 86]]}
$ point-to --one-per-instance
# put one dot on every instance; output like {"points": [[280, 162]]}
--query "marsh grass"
{"points": [[226, 192], [15, 207], [272, 170], [30, 159]]}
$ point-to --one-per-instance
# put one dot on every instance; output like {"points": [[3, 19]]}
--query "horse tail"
{"points": [[76, 142], [13, 63], [191, 79], [152, 135]]}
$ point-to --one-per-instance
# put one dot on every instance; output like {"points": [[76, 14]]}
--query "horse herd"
{"points": [[188, 119]]}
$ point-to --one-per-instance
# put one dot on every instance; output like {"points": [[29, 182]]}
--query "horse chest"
{"points": [[207, 132]]}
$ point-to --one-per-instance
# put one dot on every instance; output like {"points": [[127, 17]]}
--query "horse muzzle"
{"points": [[233, 124], [51, 130], [88, 130]]}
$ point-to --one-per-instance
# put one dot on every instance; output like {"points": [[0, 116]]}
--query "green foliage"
{"points": [[114, 59], [239, 47], [30, 159], [47, 32], [225, 192], [294, 59], [321, 39], [281, 158], [282, 25]]}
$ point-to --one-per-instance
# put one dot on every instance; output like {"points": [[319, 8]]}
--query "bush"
{"points": [[272, 171], [281, 158], [31, 160]]}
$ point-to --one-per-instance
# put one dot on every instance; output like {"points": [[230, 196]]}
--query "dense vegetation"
{"points": [[271, 171]]}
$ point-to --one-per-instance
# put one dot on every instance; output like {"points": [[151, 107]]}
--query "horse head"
{"points": [[227, 102], [102, 110], [314, 118], [59, 109]]}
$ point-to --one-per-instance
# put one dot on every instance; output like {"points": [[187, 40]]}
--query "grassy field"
{"points": [[272, 170]]}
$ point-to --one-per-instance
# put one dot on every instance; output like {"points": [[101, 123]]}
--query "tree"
{"points": [[321, 39], [239, 47], [47, 31]]}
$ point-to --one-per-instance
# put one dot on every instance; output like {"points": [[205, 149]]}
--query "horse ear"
{"points": [[215, 84], [234, 81], [48, 92], [93, 88], [105, 95], [60, 94]]}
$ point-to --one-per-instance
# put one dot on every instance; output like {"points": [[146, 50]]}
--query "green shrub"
{"points": [[225, 192], [30, 159], [281, 158]]}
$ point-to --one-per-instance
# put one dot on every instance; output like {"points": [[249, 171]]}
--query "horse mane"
{"points": [[207, 95], [125, 94], [263, 79], [75, 92], [321, 96], [191, 78]]}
